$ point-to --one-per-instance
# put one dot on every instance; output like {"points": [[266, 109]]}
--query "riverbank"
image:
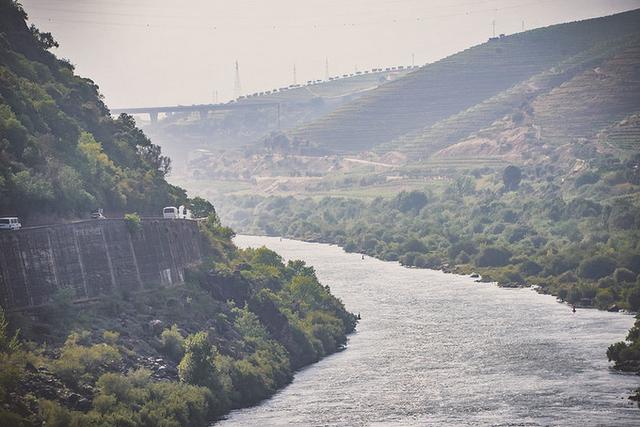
{"points": [[440, 349], [231, 336]]}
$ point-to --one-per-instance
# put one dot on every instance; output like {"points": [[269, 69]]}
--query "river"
{"points": [[440, 349]]}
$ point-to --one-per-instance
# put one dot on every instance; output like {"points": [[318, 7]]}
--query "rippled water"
{"points": [[440, 349]]}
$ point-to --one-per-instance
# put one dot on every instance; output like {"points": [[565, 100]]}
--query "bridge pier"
{"points": [[153, 116], [203, 114]]}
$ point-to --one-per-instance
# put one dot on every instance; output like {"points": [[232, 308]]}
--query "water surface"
{"points": [[440, 349]]}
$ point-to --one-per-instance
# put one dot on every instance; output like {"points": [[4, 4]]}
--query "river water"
{"points": [[440, 349]]}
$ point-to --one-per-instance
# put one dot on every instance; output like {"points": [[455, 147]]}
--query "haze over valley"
{"points": [[319, 213]]}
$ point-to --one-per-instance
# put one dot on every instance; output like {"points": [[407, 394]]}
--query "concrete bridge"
{"points": [[202, 109]]}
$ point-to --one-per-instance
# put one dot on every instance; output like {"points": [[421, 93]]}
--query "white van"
{"points": [[170, 212], [10, 223], [184, 213]]}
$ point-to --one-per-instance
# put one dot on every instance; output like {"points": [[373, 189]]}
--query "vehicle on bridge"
{"points": [[171, 212], [97, 214], [10, 223]]}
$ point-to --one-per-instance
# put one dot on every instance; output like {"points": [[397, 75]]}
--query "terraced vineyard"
{"points": [[592, 101], [337, 88], [624, 135], [462, 81], [423, 143]]}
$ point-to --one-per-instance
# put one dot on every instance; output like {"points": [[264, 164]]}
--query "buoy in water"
{"points": [[573, 307]]}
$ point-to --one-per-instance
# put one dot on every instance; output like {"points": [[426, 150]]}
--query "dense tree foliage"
{"points": [[517, 226], [572, 234], [239, 327], [61, 152]]}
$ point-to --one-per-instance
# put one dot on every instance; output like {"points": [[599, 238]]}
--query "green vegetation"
{"points": [[133, 222], [61, 153], [626, 355], [575, 236], [241, 326]]}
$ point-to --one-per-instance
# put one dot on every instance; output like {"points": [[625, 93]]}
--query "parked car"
{"points": [[97, 214], [170, 212], [10, 223]]}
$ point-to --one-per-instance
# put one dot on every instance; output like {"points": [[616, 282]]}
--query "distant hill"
{"points": [[573, 100], [479, 85], [182, 134], [61, 153], [345, 86]]}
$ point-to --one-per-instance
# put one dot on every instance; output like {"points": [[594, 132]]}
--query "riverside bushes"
{"points": [[239, 329], [574, 236], [518, 226]]}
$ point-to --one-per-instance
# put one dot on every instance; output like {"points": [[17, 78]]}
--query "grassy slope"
{"points": [[459, 82], [516, 99]]}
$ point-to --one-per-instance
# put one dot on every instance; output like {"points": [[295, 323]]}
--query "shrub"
{"points": [[427, 261], [604, 298], [530, 268], [606, 282], [587, 178], [623, 275], [633, 298], [111, 337], [596, 267], [567, 277], [79, 362], [8, 343], [133, 222], [201, 208], [493, 257], [197, 366], [511, 177], [414, 245], [411, 201], [172, 343]]}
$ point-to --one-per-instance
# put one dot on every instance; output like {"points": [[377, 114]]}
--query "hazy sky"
{"points": [[166, 52]]}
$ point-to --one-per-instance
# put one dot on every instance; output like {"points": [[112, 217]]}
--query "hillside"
{"points": [[61, 153], [346, 86], [183, 136], [460, 82], [171, 348]]}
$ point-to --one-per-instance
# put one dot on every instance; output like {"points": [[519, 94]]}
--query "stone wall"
{"points": [[94, 258]]}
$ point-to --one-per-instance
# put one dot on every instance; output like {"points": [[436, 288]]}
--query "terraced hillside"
{"points": [[591, 101], [450, 86], [596, 109], [514, 101], [624, 135], [339, 87]]}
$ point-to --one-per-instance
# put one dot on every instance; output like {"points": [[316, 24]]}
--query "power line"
{"points": [[237, 24]]}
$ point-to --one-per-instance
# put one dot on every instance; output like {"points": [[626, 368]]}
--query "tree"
{"points": [[197, 366], [623, 275], [493, 257], [511, 177], [201, 208], [596, 267], [411, 201], [414, 245], [462, 186], [633, 298]]}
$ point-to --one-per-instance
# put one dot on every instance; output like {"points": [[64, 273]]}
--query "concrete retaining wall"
{"points": [[94, 258]]}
